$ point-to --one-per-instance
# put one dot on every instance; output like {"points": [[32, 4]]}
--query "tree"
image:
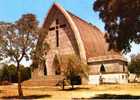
{"points": [[122, 22], [12, 73], [40, 52], [25, 73], [73, 68], [9, 73], [18, 40], [134, 66], [4, 73]]}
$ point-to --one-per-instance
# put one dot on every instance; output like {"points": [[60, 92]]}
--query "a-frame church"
{"points": [[69, 34]]}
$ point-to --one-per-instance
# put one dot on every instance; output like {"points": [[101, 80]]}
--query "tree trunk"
{"points": [[20, 92], [63, 84], [72, 86]]}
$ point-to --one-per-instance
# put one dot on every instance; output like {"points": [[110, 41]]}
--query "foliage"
{"points": [[42, 47], [122, 22], [4, 73], [18, 41], [9, 73], [73, 68], [25, 73], [12, 73], [134, 66]]}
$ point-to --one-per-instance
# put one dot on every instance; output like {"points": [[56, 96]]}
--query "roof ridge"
{"points": [[79, 18], [88, 23]]}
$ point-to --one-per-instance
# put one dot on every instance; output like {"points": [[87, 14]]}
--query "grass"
{"points": [[124, 91]]}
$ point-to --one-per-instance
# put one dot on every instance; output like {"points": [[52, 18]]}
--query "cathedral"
{"points": [[69, 34]]}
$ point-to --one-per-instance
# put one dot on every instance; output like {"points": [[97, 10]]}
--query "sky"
{"points": [[12, 10]]}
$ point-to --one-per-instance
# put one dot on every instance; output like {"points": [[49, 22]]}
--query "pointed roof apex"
{"points": [[56, 4]]}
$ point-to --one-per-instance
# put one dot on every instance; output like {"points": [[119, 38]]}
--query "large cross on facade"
{"points": [[56, 28]]}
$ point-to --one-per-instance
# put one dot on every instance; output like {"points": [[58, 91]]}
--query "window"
{"points": [[45, 69], [102, 69], [122, 76]]}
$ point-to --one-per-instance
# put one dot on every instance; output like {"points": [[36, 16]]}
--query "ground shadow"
{"points": [[113, 96], [74, 89], [27, 97]]}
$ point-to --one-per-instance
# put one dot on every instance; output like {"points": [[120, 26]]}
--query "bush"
{"points": [[12, 73], [73, 69], [25, 73], [4, 73], [9, 74]]}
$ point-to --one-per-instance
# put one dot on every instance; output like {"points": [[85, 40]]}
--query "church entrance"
{"points": [[56, 66]]}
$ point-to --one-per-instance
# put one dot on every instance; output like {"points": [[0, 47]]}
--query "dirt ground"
{"points": [[83, 91]]}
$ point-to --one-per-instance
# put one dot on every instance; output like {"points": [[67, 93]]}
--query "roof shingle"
{"points": [[93, 39]]}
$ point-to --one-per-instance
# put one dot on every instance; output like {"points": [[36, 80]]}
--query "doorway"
{"points": [[56, 65]]}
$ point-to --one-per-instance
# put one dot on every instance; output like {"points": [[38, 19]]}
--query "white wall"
{"points": [[120, 78]]}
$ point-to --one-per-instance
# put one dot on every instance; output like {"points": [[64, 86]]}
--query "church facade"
{"points": [[69, 34]]}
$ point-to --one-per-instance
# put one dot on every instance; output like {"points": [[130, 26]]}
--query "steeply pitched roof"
{"points": [[93, 41]]}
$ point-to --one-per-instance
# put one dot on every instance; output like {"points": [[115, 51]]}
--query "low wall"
{"points": [[120, 78]]}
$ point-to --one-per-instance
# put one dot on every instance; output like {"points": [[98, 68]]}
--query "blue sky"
{"points": [[11, 10]]}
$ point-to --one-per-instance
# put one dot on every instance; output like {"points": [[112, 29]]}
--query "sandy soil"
{"points": [[83, 91]]}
